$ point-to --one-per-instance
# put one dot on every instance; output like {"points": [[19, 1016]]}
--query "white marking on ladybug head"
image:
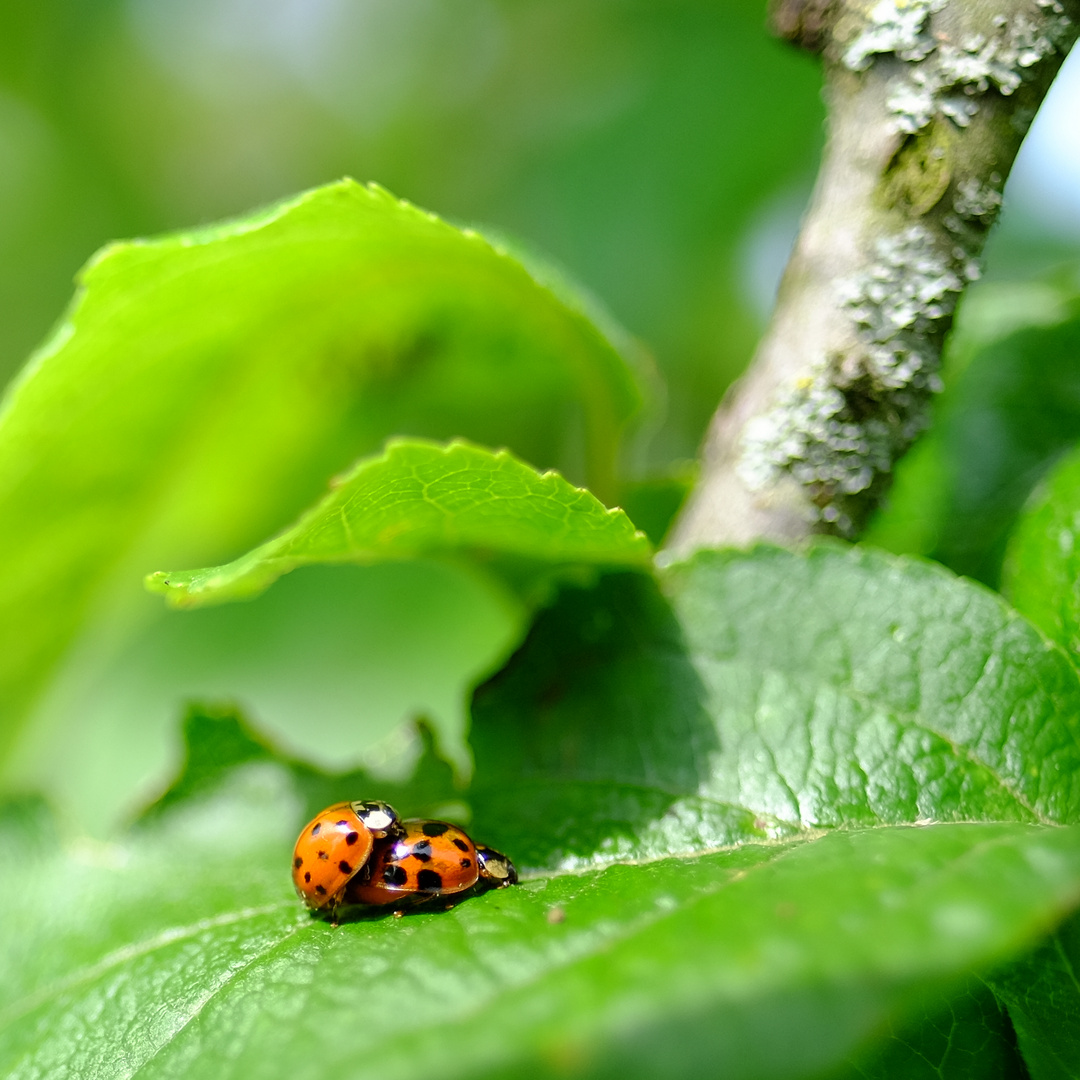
{"points": [[378, 817]]}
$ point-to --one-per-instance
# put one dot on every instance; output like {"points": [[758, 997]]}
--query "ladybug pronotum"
{"points": [[495, 868]]}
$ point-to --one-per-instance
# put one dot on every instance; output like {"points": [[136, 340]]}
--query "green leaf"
{"points": [[595, 741], [422, 500], [771, 692], [1042, 994], [879, 689], [963, 1036], [329, 662], [175, 953], [866, 692], [204, 385], [1042, 567], [218, 740], [1011, 406], [579, 127]]}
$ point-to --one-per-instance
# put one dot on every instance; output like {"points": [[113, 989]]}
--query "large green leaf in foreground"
{"points": [[421, 500], [747, 700], [181, 953], [756, 694], [203, 387]]}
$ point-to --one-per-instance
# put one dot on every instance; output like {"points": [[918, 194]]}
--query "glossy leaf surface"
{"points": [[636, 720], [180, 952], [759, 693]]}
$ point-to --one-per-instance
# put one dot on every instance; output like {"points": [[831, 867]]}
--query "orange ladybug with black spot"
{"points": [[428, 859], [335, 846]]}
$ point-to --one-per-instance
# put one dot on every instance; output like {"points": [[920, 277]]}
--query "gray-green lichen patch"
{"points": [[976, 201], [840, 429], [899, 303], [893, 26], [813, 437], [946, 77]]}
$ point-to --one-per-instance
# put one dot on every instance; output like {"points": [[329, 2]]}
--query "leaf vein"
{"points": [[127, 953]]}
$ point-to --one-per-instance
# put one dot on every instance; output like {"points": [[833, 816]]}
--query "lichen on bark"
{"points": [[928, 103]]}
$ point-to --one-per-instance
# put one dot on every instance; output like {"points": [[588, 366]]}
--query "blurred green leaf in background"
{"points": [[600, 133]]}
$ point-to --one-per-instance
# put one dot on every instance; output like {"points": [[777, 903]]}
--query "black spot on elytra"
{"points": [[429, 881], [320, 890], [421, 851], [460, 844], [352, 838], [307, 877], [298, 862], [395, 875], [315, 831], [466, 863], [323, 855], [343, 821], [344, 867], [434, 828]]}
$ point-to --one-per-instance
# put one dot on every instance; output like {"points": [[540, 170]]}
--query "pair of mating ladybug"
{"points": [[363, 853]]}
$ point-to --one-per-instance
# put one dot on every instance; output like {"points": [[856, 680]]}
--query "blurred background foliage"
{"points": [[638, 143], [661, 150]]}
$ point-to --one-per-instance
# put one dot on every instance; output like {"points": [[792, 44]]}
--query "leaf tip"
{"points": [[157, 582], [168, 584]]}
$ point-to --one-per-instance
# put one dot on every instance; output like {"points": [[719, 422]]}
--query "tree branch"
{"points": [[928, 102]]}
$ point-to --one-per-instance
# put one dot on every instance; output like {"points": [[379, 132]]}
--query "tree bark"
{"points": [[928, 102]]}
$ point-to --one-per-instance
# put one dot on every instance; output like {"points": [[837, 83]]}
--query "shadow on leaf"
{"points": [[594, 731]]}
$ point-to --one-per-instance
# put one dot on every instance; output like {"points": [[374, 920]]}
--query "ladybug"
{"points": [[428, 859], [335, 846]]}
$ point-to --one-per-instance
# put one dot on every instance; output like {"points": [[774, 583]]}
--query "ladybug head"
{"points": [[495, 867]]}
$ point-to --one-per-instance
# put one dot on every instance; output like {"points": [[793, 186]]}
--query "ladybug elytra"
{"points": [[335, 846]]}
